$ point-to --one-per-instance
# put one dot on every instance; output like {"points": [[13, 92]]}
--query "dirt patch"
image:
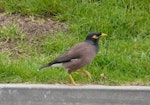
{"points": [[32, 25]]}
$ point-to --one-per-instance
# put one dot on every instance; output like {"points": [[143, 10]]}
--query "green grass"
{"points": [[124, 55]]}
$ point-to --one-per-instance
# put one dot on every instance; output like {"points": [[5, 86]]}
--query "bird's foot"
{"points": [[73, 83], [85, 72]]}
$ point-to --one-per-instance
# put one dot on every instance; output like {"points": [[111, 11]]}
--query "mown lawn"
{"points": [[124, 55]]}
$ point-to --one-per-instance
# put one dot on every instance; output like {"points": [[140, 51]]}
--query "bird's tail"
{"points": [[49, 64], [43, 67]]}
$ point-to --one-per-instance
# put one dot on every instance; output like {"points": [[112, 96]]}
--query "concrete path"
{"points": [[46, 94]]}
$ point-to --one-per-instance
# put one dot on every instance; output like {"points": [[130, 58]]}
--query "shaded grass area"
{"points": [[124, 56]]}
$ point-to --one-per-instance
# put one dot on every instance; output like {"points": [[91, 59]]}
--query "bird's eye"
{"points": [[95, 37]]}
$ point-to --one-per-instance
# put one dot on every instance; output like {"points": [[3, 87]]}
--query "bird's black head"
{"points": [[94, 37]]}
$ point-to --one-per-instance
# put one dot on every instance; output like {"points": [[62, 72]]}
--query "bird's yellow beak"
{"points": [[104, 34]]}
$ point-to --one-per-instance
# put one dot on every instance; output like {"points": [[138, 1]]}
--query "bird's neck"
{"points": [[94, 43]]}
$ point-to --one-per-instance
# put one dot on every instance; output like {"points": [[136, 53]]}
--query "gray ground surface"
{"points": [[45, 94]]}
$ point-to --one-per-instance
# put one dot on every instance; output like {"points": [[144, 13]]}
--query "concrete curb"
{"points": [[46, 94]]}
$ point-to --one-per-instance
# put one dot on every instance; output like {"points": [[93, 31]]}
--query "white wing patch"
{"points": [[61, 64], [57, 65]]}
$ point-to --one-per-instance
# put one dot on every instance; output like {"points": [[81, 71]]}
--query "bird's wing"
{"points": [[73, 53]]}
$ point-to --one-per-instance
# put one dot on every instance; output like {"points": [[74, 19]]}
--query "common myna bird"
{"points": [[78, 56]]}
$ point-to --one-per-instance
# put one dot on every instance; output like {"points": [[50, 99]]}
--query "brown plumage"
{"points": [[78, 56]]}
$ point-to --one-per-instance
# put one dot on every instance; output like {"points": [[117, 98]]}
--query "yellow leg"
{"points": [[85, 72], [72, 80]]}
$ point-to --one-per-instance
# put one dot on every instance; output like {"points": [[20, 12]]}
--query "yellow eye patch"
{"points": [[95, 37]]}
